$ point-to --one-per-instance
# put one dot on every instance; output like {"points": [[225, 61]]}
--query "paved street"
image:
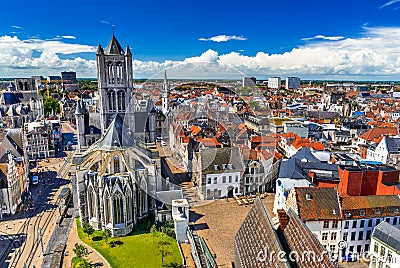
{"points": [[25, 247]]}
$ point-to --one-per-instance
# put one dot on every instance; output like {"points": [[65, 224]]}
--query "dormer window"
{"points": [[215, 167]]}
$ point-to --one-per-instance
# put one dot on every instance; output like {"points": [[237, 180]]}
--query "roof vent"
{"points": [[333, 211], [308, 197]]}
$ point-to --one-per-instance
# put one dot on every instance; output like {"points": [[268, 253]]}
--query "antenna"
{"points": [[113, 28]]}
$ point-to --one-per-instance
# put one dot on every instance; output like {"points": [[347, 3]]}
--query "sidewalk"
{"points": [[93, 257]]}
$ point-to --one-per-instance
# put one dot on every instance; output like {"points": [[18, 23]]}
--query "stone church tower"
{"points": [[114, 72]]}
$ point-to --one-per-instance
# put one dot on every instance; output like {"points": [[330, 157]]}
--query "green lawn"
{"points": [[137, 250]]}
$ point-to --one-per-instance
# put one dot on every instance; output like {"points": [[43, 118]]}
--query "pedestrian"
{"points": [[6, 226]]}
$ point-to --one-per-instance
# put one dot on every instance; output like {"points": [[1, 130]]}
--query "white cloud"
{"points": [[224, 38], [17, 27], [373, 56], [323, 37], [389, 3], [16, 57], [68, 37]]}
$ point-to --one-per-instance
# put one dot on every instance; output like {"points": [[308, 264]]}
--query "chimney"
{"points": [[283, 218]]}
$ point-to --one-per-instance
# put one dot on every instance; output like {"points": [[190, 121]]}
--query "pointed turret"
{"points": [[78, 109], [128, 51], [100, 50], [114, 48]]}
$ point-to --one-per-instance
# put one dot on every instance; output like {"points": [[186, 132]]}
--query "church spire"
{"points": [[128, 51], [99, 50], [165, 94], [113, 47], [165, 84]]}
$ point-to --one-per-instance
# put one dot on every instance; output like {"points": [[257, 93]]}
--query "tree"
{"points": [[153, 231], [79, 250], [50, 105], [163, 247], [88, 229], [85, 264], [106, 234]]}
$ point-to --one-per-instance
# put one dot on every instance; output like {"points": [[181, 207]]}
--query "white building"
{"points": [[360, 215], [319, 209], [385, 249], [386, 151], [292, 83], [274, 82], [219, 172]]}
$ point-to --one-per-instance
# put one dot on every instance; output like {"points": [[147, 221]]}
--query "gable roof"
{"points": [[322, 204], [114, 137], [388, 234], [379, 131]]}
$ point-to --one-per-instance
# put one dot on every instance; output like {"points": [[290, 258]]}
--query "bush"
{"points": [[97, 238]]}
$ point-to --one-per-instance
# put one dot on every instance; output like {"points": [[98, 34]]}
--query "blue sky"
{"points": [[351, 39]]}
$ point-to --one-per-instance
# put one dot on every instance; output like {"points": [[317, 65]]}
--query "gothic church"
{"points": [[114, 178]]}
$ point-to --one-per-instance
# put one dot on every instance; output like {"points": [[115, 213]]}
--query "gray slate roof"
{"points": [[393, 145], [388, 234]]}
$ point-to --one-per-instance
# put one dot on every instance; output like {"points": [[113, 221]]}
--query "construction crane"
{"points": [[52, 81]]}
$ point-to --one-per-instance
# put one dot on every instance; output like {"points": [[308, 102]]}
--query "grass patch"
{"points": [[138, 249]]}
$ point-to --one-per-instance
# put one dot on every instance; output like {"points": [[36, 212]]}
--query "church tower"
{"points": [[165, 94], [115, 74]]}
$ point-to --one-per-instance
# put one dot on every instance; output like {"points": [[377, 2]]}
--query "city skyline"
{"points": [[331, 40]]}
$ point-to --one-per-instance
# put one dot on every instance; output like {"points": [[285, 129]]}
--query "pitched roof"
{"points": [[114, 136], [379, 131], [300, 239], [393, 145], [219, 157], [322, 203], [371, 201], [113, 47], [255, 235], [388, 234]]}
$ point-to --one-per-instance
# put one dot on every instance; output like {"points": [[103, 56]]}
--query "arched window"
{"points": [[121, 101], [107, 208], [116, 164], [111, 73], [128, 204], [111, 101], [120, 76], [118, 209], [92, 202]]}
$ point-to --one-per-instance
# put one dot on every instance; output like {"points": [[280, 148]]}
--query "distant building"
{"points": [[68, 77], [249, 81], [53, 79], [274, 82], [292, 83]]}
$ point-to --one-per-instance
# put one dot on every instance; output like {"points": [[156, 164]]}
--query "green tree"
{"points": [[79, 250], [50, 105], [153, 231], [88, 229], [106, 234], [164, 248], [85, 264]]}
